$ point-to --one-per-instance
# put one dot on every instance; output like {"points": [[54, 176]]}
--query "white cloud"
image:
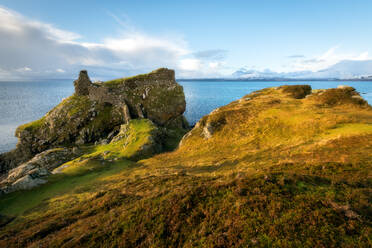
{"points": [[190, 64], [46, 49], [12, 21], [24, 69], [329, 58], [214, 65]]}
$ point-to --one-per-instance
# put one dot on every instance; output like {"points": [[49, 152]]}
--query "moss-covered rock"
{"points": [[77, 120], [96, 111], [136, 140]]}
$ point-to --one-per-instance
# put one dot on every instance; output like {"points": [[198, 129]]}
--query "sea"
{"points": [[22, 102]]}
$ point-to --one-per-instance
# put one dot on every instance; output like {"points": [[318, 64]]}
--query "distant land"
{"points": [[347, 70], [369, 79]]}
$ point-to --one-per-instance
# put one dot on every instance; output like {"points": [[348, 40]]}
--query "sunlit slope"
{"points": [[274, 127], [281, 167]]}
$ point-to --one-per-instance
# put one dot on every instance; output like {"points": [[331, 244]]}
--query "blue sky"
{"points": [[197, 38]]}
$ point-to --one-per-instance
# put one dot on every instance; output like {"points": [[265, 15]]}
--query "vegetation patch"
{"points": [[297, 91], [31, 126], [349, 129], [130, 80], [85, 175], [136, 140], [339, 96], [275, 209]]}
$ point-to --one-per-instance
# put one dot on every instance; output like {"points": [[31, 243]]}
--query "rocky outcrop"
{"points": [[98, 109], [77, 120], [35, 171], [339, 96], [138, 139], [296, 91], [155, 96]]}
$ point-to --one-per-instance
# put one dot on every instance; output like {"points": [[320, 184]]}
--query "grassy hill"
{"points": [[281, 167]]}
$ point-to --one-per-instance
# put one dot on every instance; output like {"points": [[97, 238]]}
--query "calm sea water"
{"points": [[21, 102]]}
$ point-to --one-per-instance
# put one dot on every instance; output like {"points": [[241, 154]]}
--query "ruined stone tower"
{"points": [[82, 84]]}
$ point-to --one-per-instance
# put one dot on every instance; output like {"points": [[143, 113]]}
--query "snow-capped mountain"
{"points": [[347, 69]]}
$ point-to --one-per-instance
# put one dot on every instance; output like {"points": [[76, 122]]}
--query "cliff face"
{"points": [[97, 110]]}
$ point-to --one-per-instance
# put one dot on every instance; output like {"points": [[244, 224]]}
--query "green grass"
{"points": [[87, 176], [31, 126], [140, 77], [138, 133]]}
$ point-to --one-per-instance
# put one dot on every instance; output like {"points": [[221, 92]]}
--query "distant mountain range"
{"points": [[347, 69], [344, 70]]}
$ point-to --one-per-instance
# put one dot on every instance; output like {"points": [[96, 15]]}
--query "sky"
{"points": [[56, 39]]}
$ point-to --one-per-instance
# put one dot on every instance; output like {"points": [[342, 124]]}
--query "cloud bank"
{"points": [[330, 64], [323, 61], [32, 49]]}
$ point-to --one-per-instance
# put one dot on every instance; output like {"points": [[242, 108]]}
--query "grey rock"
{"points": [[208, 131], [82, 84], [35, 171], [26, 182], [126, 113], [75, 150]]}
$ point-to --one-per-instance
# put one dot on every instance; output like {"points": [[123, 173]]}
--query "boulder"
{"points": [[26, 182], [35, 171]]}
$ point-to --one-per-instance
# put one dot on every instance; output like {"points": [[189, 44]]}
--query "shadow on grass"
{"points": [[79, 179]]}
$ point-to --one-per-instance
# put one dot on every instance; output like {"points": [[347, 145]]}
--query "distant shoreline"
{"points": [[222, 80], [272, 80]]}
